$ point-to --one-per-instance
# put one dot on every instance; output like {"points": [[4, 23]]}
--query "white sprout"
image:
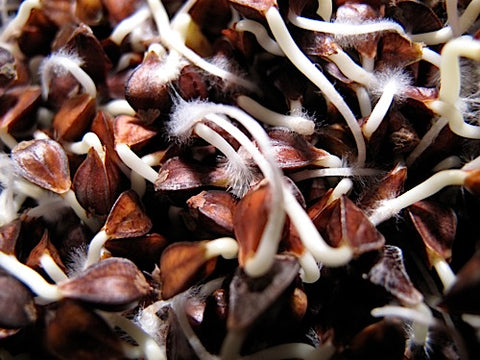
{"points": [[119, 107], [263, 258], [89, 140], [431, 56], [420, 315], [20, 19], [334, 171], [47, 292], [309, 269], [299, 124], [7, 138], [135, 163], [389, 208], [16, 190], [183, 122], [226, 247], [146, 344], [61, 63], [128, 24], [452, 16], [174, 41], [309, 235], [363, 101], [295, 55], [33, 280], [72, 201], [138, 182], [344, 187], [449, 104], [445, 272], [51, 267], [8, 199], [390, 85], [344, 29], [351, 69], [324, 9], [95, 248], [257, 29], [472, 164], [427, 140], [178, 306], [240, 174]]}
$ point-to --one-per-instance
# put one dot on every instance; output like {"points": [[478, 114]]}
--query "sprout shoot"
{"points": [[344, 29], [60, 63], [20, 19], [293, 53], [420, 315], [47, 292], [299, 124], [257, 29], [432, 185]]}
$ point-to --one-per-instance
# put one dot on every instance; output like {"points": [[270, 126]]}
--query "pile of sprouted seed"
{"points": [[239, 179]]}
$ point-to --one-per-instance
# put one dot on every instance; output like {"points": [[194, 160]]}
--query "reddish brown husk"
{"points": [[292, 150], [120, 9], [17, 308], [44, 246], [43, 163], [112, 284], [437, 227], [250, 218], [9, 235], [98, 196], [178, 174], [76, 332], [343, 223], [143, 251], [253, 9], [397, 51], [211, 210], [74, 117], [251, 297], [37, 34], [390, 273], [182, 265], [132, 131], [89, 11], [127, 218], [81, 40], [17, 106], [146, 93], [384, 339], [389, 187]]}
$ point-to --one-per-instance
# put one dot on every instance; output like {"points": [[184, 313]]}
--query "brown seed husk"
{"points": [[76, 332], [250, 218], [182, 265], [390, 273], [251, 297], [437, 226], [43, 162], [17, 308], [112, 284], [127, 218]]}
